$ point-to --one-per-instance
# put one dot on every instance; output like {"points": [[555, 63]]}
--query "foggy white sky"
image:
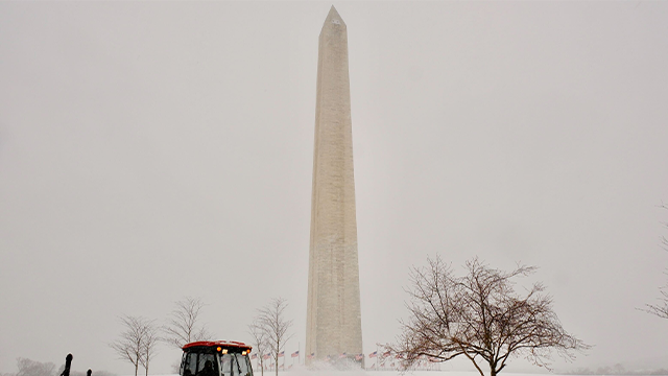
{"points": [[150, 151]]}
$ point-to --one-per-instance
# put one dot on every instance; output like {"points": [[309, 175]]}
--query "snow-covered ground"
{"points": [[386, 373], [305, 372]]}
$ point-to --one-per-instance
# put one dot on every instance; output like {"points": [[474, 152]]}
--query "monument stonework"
{"points": [[334, 324]]}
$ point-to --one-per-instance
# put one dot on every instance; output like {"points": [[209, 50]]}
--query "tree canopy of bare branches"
{"points": [[481, 317], [274, 326], [137, 342], [184, 323]]}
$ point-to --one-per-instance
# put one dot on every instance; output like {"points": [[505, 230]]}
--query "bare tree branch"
{"points": [[661, 309]]}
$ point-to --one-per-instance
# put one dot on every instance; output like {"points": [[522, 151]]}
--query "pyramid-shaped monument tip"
{"points": [[334, 18], [332, 10]]}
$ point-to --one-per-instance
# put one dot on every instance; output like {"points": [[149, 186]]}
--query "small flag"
{"points": [[386, 353], [295, 354], [266, 356], [254, 356], [280, 354], [359, 357], [310, 356], [342, 355], [373, 354]]}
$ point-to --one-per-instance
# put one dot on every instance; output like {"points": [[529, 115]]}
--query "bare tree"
{"points": [[480, 317], [272, 322], [183, 326], [260, 344], [133, 345], [149, 343]]}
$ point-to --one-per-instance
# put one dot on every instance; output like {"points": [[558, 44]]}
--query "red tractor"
{"points": [[216, 358]]}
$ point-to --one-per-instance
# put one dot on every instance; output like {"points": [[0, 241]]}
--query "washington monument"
{"points": [[333, 323]]}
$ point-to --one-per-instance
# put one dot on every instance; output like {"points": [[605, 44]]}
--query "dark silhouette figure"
{"points": [[89, 373], [207, 370], [68, 364]]}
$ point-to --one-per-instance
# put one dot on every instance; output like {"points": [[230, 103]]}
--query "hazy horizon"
{"points": [[151, 151]]}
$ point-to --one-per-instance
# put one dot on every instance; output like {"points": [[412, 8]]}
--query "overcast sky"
{"points": [[151, 151]]}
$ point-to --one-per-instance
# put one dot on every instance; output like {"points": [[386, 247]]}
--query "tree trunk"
{"points": [[276, 363]]}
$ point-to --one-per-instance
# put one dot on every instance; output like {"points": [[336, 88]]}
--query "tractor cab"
{"points": [[216, 358]]}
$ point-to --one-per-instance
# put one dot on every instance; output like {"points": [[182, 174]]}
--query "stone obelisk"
{"points": [[333, 326]]}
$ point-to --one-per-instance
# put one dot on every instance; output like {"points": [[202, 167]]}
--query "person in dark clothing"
{"points": [[207, 370]]}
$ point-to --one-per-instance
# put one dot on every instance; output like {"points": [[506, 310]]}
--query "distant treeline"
{"points": [[29, 367], [618, 369]]}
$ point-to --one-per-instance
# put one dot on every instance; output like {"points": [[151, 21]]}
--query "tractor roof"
{"points": [[223, 344]]}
